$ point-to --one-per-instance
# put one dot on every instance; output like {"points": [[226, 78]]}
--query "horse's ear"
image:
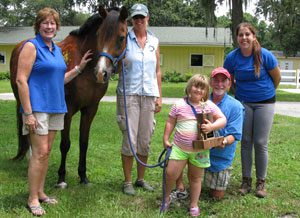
{"points": [[102, 12], [123, 14]]}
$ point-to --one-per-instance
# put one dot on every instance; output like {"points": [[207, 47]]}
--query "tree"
{"points": [[22, 13], [236, 12], [286, 24]]}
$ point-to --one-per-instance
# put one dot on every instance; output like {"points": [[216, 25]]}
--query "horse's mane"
{"points": [[92, 23]]}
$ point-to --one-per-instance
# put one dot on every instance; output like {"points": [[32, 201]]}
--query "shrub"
{"points": [[4, 76], [173, 76]]}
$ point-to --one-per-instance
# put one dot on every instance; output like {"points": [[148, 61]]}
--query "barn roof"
{"points": [[167, 35]]}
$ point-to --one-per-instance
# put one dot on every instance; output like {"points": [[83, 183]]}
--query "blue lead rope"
{"points": [[161, 163]]}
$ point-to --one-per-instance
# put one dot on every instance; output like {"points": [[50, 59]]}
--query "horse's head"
{"points": [[111, 43]]}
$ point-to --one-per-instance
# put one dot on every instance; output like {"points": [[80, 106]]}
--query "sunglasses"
{"points": [[138, 17]]}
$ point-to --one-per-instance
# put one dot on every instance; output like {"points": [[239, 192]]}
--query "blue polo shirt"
{"points": [[222, 158], [249, 87], [140, 67], [46, 80]]}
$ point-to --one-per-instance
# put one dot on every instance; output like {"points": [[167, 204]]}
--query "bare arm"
{"points": [[25, 63], [158, 102], [276, 77], [219, 123], [170, 125], [78, 69], [26, 60]]}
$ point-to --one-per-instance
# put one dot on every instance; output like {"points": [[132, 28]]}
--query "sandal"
{"points": [[36, 210], [48, 200]]}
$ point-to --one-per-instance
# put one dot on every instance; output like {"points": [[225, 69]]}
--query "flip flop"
{"points": [[48, 200], [36, 210]]}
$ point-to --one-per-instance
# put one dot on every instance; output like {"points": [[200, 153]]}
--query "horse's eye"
{"points": [[121, 38]]}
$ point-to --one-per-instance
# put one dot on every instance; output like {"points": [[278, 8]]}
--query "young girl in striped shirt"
{"points": [[182, 117]]}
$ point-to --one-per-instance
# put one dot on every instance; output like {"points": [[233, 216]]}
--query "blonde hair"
{"points": [[42, 15], [198, 80], [256, 46]]}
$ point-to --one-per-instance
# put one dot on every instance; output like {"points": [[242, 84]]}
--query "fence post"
{"points": [[297, 78]]}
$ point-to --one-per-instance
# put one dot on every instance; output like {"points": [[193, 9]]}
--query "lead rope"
{"points": [[161, 163]]}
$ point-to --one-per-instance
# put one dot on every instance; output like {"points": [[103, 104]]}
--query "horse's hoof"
{"points": [[61, 185], [85, 182]]}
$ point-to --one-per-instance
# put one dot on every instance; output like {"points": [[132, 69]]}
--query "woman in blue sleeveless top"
{"points": [[40, 79]]}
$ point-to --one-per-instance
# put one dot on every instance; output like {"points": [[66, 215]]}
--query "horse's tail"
{"points": [[23, 141]]}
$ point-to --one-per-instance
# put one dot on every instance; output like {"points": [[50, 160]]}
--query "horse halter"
{"points": [[114, 60]]}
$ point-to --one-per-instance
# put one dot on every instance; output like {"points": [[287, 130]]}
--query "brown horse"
{"points": [[105, 35]]}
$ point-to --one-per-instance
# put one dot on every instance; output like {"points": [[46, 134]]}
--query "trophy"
{"points": [[205, 141]]}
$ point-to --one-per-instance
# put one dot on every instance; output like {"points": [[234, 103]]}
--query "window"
{"points": [[196, 60], [208, 60], [2, 57]]}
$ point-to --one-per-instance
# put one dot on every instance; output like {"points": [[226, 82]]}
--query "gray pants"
{"points": [[256, 130]]}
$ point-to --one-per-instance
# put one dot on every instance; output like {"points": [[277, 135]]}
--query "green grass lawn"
{"points": [[105, 199], [171, 90]]}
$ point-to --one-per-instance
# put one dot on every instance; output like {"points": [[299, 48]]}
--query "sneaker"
{"points": [[143, 184], [260, 188], [177, 194], [246, 185], [194, 211], [128, 189]]}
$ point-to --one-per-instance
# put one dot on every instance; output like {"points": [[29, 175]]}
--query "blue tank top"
{"points": [[46, 80]]}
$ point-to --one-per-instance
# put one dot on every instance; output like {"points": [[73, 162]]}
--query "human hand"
{"points": [[167, 144], [31, 122], [87, 57], [224, 143], [158, 104], [206, 127]]}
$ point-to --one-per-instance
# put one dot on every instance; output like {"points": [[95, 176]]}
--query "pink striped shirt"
{"points": [[186, 123]]}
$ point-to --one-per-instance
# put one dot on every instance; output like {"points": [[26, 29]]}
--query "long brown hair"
{"points": [[256, 46]]}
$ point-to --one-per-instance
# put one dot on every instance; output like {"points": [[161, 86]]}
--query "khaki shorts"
{"points": [[217, 181], [140, 111], [45, 122]]}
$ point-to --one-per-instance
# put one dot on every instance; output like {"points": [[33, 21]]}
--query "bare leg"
{"points": [[51, 136], [195, 176], [173, 171], [37, 164], [127, 162], [179, 182], [140, 168]]}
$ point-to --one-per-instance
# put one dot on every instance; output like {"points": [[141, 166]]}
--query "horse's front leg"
{"points": [[65, 144], [87, 116]]}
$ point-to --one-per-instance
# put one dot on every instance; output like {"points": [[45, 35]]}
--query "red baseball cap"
{"points": [[220, 70]]}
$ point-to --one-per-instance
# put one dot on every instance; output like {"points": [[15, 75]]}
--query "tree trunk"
{"points": [[237, 18]]}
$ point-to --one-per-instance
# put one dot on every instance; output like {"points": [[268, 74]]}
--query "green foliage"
{"points": [[4, 76], [176, 77], [104, 168], [173, 76], [285, 28]]}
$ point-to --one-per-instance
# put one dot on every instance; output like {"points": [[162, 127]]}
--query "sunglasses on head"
{"points": [[138, 17]]}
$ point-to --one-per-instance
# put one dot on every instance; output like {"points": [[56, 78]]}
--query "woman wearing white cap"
{"points": [[143, 95]]}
